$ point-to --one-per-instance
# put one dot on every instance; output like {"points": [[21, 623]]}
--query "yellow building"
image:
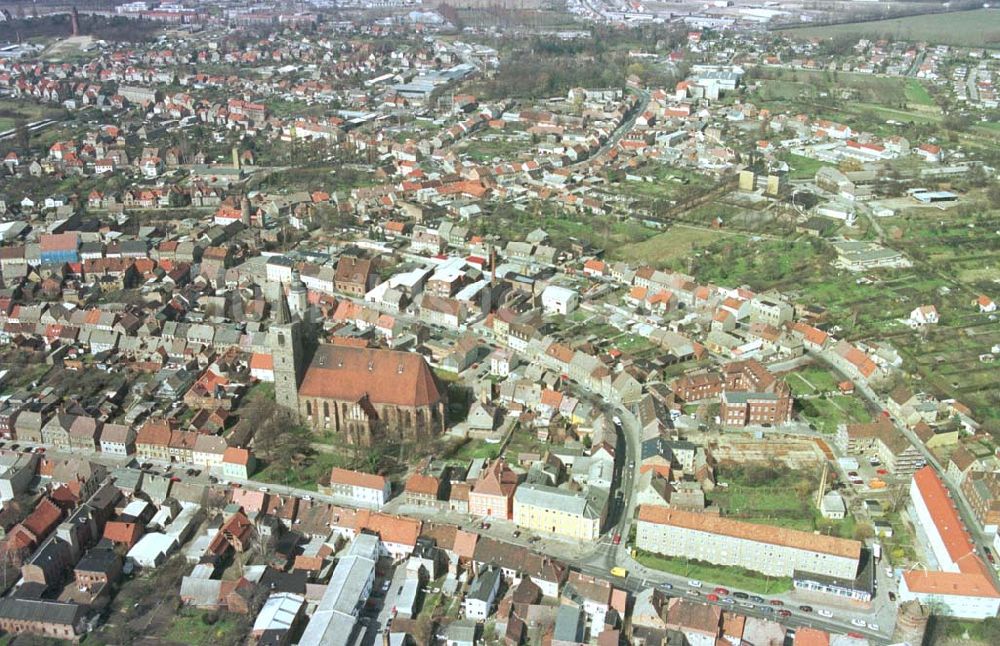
{"points": [[574, 514]]}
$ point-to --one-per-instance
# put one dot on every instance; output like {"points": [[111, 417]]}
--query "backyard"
{"points": [[772, 494], [827, 413]]}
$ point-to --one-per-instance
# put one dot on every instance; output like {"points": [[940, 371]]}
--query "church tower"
{"points": [[298, 296], [285, 338]]}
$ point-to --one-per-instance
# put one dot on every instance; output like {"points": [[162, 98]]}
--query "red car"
{"points": [[776, 602], [722, 591], [855, 635], [617, 539], [712, 597], [784, 613], [882, 472]]}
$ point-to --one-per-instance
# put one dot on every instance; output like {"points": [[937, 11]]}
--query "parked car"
{"points": [[776, 602], [784, 613], [711, 596], [756, 599], [694, 583], [824, 613], [721, 591], [806, 608], [860, 623], [741, 595]]}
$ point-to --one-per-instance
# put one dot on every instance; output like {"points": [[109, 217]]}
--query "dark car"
{"points": [[756, 599], [806, 608], [741, 595], [892, 596]]}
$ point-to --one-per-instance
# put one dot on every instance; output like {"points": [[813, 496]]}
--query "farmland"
{"points": [[980, 28]]}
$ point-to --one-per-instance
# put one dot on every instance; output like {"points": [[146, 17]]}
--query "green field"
{"points": [[803, 167], [826, 414], [733, 577], [979, 28], [811, 381], [917, 93], [673, 244]]}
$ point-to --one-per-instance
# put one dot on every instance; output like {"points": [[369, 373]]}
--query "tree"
{"points": [[22, 136]]}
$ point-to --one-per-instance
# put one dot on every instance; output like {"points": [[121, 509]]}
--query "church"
{"points": [[363, 395]]}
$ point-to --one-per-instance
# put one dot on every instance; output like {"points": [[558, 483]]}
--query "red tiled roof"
{"points": [[383, 376], [356, 478]]}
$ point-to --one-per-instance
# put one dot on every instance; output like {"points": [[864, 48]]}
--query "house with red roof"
{"points": [[361, 489], [962, 585]]}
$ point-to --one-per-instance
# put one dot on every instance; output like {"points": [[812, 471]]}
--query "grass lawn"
{"points": [[961, 28], [188, 627], [305, 476], [6, 124], [827, 413], [716, 574], [810, 381], [801, 167], [917, 94], [673, 244], [473, 449]]}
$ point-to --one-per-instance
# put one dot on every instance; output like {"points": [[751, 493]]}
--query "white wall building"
{"points": [[559, 300], [961, 586]]}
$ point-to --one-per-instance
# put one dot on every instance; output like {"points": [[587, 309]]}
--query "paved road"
{"points": [[624, 128]]}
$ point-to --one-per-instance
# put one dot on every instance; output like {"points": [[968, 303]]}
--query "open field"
{"points": [[675, 243], [917, 93], [980, 28], [718, 574]]}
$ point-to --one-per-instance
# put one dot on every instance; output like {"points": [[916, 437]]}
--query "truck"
{"points": [[619, 572]]}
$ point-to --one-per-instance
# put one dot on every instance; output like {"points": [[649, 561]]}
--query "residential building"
{"points": [[482, 594], [363, 489], [774, 551], [961, 585], [492, 495], [573, 514]]}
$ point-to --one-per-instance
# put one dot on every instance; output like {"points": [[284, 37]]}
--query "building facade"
{"points": [[567, 513], [773, 551]]}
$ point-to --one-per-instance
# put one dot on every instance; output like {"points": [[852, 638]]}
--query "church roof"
{"points": [[348, 373]]}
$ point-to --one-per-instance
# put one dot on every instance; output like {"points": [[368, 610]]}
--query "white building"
{"points": [[961, 585], [774, 551], [482, 594], [349, 588], [559, 300], [363, 489], [923, 315]]}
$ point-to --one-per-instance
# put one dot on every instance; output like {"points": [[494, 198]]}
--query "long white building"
{"points": [[774, 551], [961, 586], [334, 620]]}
